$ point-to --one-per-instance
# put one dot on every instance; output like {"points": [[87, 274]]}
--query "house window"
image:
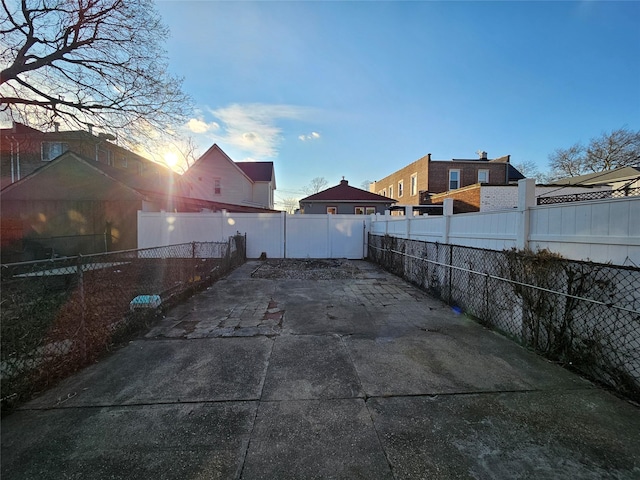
{"points": [[217, 188], [124, 163], [359, 211], [370, 210], [400, 188], [483, 176], [390, 191], [414, 184], [384, 193], [51, 150], [454, 179], [332, 210]]}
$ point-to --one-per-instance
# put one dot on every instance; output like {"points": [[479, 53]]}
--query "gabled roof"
{"points": [[257, 171], [616, 175], [211, 151], [345, 193], [71, 176]]}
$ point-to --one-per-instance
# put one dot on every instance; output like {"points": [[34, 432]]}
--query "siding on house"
{"points": [[238, 183], [345, 199]]}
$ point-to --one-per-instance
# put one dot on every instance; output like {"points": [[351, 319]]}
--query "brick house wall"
{"points": [[439, 173], [419, 169], [465, 199], [21, 152], [433, 176]]}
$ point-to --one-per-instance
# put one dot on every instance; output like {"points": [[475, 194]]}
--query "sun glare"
{"points": [[171, 159]]}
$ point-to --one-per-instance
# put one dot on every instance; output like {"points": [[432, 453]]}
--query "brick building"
{"points": [[23, 150], [412, 184]]}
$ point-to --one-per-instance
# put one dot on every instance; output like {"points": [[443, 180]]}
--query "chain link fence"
{"points": [[59, 315], [583, 315]]}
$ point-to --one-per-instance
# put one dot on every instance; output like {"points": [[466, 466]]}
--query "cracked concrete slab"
{"points": [[310, 367], [357, 377], [550, 434], [288, 437], [168, 371], [196, 441]]}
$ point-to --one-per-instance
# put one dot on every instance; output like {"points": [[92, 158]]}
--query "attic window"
{"points": [[51, 150], [217, 186]]}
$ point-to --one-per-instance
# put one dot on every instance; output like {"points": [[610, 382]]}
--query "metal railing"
{"points": [[599, 195], [61, 314], [581, 314]]}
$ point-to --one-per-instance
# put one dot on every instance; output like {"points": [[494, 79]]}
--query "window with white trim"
{"points": [[370, 210], [390, 191], [414, 184], [51, 150], [332, 210], [359, 211], [454, 179], [400, 188], [217, 186], [483, 176]]}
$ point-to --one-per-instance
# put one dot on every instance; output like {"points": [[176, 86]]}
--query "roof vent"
{"points": [[482, 154]]}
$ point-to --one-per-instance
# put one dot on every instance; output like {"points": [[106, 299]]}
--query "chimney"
{"points": [[483, 154]]}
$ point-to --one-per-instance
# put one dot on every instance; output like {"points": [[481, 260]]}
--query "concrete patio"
{"points": [[363, 376]]}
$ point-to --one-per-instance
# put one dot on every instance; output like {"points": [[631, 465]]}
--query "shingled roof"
{"points": [[257, 171], [345, 193]]}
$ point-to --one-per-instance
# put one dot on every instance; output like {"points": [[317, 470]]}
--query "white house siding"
{"points": [[236, 188], [262, 194]]}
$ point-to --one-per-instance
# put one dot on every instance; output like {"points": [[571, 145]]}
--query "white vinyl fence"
{"points": [[278, 235], [603, 231]]}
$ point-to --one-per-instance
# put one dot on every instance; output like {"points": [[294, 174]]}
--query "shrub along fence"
{"points": [[59, 315], [583, 315]]}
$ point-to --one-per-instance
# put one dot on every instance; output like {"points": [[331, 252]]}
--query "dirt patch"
{"points": [[307, 269]]}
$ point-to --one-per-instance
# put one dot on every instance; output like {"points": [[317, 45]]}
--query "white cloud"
{"points": [[311, 136], [254, 128], [197, 125]]}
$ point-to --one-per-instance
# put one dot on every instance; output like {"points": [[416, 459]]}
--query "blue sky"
{"points": [[360, 89]]}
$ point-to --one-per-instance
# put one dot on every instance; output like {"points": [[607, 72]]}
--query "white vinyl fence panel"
{"points": [[601, 231], [276, 234]]}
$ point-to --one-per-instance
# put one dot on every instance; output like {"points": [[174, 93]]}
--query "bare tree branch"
{"points": [[315, 186], [88, 62], [619, 148]]}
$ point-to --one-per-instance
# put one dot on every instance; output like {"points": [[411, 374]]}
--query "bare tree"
{"points": [[290, 204], [316, 185], [529, 169], [365, 185], [88, 62], [619, 148]]}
